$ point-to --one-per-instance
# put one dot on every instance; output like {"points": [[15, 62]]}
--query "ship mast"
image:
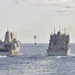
{"points": [[59, 29], [7, 29]]}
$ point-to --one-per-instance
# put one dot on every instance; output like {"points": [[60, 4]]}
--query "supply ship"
{"points": [[59, 44], [10, 46]]}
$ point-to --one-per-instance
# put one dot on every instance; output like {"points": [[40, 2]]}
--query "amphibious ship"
{"points": [[10, 46], [59, 44]]}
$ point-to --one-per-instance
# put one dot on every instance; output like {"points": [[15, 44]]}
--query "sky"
{"points": [[27, 18]]}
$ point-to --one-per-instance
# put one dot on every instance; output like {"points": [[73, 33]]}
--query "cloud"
{"points": [[62, 11], [64, 6], [65, 1], [47, 2], [52, 1], [69, 7], [66, 9], [19, 1]]}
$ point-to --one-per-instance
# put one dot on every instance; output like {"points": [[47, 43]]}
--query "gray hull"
{"points": [[10, 46], [58, 53], [9, 52], [4, 53]]}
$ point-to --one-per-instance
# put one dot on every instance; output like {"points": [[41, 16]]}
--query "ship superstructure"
{"points": [[10, 46], [59, 44]]}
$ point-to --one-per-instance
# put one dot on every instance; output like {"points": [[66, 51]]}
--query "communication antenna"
{"points": [[64, 30], [7, 29], [59, 29]]}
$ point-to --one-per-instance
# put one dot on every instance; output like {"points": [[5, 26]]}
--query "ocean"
{"points": [[33, 60]]}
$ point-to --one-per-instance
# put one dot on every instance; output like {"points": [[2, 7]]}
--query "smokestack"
{"points": [[7, 37]]}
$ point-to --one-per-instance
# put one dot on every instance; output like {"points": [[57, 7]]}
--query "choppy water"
{"points": [[33, 60]]}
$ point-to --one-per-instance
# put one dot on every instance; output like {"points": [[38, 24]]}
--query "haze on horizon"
{"points": [[37, 17]]}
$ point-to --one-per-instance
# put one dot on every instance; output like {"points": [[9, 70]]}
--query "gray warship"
{"points": [[10, 46], [59, 44]]}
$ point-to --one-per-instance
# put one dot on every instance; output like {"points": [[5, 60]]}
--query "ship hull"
{"points": [[9, 52], [4, 52], [58, 53]]}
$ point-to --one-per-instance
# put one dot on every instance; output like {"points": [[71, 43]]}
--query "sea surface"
{"points": [[33, 60]]}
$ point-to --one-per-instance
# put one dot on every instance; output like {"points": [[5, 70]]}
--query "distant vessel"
{"points": [[35, 37], [59, 44], [10, 46]]}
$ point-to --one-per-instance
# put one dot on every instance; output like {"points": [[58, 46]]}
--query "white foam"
{"points": [[20, 53], [72, 54], [3, 56]]}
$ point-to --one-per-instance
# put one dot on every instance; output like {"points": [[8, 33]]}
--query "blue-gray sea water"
{"points": [[33, 60]]}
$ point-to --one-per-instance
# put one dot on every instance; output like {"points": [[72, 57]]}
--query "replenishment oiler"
{"points": [[10, 46], [59, 44]]}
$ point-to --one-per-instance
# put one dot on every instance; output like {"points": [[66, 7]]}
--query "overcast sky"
{"points": [[37, 17]]}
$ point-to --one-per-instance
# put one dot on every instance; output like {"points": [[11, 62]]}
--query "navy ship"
{"points": [[59, 44], [10, 46]]}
